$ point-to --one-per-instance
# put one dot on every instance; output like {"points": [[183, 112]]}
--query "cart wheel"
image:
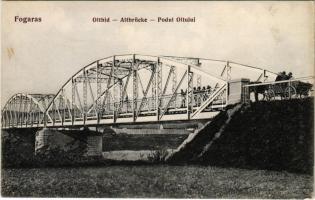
{"points": [[289, 92], [270, 94]]}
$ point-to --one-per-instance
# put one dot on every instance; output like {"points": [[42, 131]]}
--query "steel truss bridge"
{"points": [[133, 88]]}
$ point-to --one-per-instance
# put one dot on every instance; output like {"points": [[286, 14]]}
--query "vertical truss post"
{"points": [[115, 89], [226, 94], [73, 85], [13, 112], [174, 84], [16, 112], [3, 120], [45, 120], [198, 76], [116, 98], [98, 90], [5, 117], [62, 105], [25, 112], [135, 87], [8, 116], [158, 88], [189, 91], [84, 96], [32, 113], [38, 118], [54, 111], [22, 111], [108, 100], [19, 112], [121, 91], [104, 104], [29, 109], [153, 70], [124, 93], [11, 116], [28, 112], [120, 99]]}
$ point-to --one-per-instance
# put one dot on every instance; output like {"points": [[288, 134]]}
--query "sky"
{"points": [[40, 57]]}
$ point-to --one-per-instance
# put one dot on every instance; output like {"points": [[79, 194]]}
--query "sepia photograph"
{"points": [[157, 99]]}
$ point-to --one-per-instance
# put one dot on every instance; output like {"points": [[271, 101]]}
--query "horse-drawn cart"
{"points": [[281, 89], [288, 90]]}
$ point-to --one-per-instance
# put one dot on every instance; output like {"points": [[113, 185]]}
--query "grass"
{"points": [[159, 181]]}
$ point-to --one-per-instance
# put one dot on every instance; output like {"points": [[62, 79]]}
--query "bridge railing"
{"points": [[279, 90], [178, 104], [144, 107]]}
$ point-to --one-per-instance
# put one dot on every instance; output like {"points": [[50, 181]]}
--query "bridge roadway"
{"points": [[177, 111]]}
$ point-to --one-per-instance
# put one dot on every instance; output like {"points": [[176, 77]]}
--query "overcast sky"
{"points": [[40, 57]]}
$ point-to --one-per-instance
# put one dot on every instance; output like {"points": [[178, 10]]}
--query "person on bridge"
{"points": [[209, 89], [282, 76], [289, 76], [183, 95], [199, 93], [127, 103], [204, 93], [195, 96]]}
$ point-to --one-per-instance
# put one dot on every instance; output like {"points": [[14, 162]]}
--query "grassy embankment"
{"points": [[155, 181], [275, 135]]}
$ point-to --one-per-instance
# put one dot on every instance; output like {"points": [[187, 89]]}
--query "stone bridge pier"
{"points": [[85, 141], [35, 146]]}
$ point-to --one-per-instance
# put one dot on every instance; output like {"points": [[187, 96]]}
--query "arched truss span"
{"points": [[25, 110], [133, 88]]}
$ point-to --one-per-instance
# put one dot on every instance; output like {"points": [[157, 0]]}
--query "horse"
{"points": [[302, 88], [259, 89]]}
